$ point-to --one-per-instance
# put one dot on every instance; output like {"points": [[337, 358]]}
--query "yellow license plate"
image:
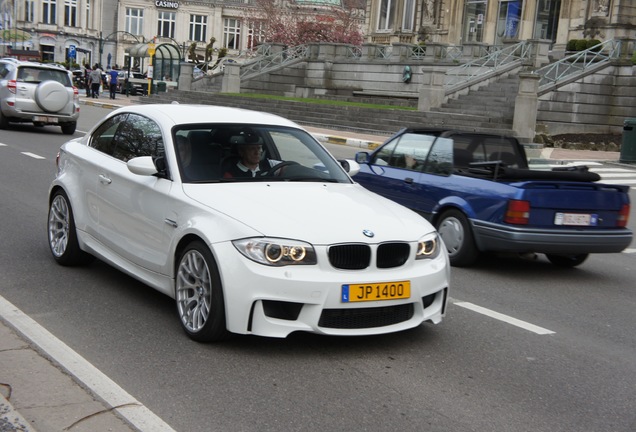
{"points": [[376, 291]]}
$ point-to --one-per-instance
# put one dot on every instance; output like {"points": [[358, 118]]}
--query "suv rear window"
{"points": [[37, 75]]}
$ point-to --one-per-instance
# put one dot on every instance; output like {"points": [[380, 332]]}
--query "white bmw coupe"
{"points": [[247, 221]]}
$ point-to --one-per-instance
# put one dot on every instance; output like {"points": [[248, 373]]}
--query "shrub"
{"points": [[571, 46], [581, 44], [593, 42]]}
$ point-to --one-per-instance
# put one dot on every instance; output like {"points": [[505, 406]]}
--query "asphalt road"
{"points": [[560, 357]]}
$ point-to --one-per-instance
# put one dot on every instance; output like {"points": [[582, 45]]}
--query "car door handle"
{"points": [[408, 180], [104, 180]]}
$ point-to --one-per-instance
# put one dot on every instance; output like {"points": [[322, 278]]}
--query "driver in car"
{"points": [[249, 163]]}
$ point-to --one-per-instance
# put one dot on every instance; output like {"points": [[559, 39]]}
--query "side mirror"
{"points": [[350, 166], [362, 157], [142, 165]]}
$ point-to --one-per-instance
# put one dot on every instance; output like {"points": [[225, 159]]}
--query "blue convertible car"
{"points": [[479, 193]]}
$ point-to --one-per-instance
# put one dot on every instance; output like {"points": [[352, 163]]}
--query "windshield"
{"points": [[247, 153], [37, 75]]}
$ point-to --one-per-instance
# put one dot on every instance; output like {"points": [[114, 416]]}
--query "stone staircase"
{"points": [[467, 113], [496, 100]]}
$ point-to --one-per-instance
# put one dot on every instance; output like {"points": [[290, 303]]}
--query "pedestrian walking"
{"points": [[114, 75], [95, 78], [87, 81]]}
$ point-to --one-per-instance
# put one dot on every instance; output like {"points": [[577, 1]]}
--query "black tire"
{"points": [[567, 260], [4, 123], [68, 128], [199, 295], [62, 234], [454, 228]]}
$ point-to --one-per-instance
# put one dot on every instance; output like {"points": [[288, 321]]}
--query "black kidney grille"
{"points": [[350, 256], [365, 318], [393, 254]]}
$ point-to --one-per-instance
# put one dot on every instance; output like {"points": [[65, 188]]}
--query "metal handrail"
{"points": [[597, 56], [418, 52], [353, 51], [476, 69], [270, 62]]}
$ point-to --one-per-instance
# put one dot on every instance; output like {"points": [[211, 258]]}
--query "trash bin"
{"points": [[628, 146], [161, 87]]}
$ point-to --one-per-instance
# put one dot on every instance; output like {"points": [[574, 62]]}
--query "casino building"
{"points": [[107, 31]]}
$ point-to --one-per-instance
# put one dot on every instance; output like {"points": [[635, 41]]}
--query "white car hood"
{"points": [[320, 213]]}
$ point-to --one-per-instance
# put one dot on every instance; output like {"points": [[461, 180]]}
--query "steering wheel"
{"points": [[277, 167]]}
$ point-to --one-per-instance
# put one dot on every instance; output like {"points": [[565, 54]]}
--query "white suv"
{"points": [[38, 93]]}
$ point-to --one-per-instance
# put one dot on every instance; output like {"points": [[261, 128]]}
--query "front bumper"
{"points": [[277, 301], [501, 238]]}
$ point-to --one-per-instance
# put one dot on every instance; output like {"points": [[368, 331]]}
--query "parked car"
{"points": [[138, 84], [38, 93], [297, 247], [478, 191]]}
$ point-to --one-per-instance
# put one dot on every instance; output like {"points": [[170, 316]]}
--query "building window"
{"points": [[48, 12], [387, 14], [87, 7], [231, 33], [508, 20], [474, 20], [545, 26], [198, 27], [134, 21], [255, 34], [409, 15], [29, 11], [70, 13], [165, 24]]}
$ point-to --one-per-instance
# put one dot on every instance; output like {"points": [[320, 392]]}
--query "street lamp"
{"points": [[102, 40]]}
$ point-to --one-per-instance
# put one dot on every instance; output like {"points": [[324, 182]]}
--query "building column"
{"points": [[432, 91], [231, 78], [524, 123]]}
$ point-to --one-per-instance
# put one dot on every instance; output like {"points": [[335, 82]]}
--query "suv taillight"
{"points": [[12, 85], [75, 93]]}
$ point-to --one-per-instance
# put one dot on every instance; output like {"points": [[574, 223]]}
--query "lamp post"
{"points": [[102, 40]]}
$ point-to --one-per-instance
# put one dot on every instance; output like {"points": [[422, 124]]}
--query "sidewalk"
{"points": [[372, 141], [33, 387]]}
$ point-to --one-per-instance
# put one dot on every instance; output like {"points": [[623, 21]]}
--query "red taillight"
{"points": [[12, 85], [623, 216], [518, 212]]}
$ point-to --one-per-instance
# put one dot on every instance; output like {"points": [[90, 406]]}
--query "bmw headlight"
{"points": [[428, 247], [276, 252]]}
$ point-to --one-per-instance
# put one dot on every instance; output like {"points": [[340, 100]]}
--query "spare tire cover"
{"points": [[51, 96]]}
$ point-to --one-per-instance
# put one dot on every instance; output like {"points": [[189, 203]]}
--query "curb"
{"points": [[350, 142]]}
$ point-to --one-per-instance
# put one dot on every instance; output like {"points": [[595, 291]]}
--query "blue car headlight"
{"points": [[428, 247], [276, 252]]}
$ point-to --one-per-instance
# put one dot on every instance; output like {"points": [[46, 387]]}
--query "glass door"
{"points": [[508, 20], [474, 20]]}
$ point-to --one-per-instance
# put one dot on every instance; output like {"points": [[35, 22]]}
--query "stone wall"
{"points": [[597, 103]]}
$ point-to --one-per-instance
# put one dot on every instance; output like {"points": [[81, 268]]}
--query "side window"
{"points": [[137, 136], [408, 151], [383, 156], [4, 70], [440, 158], [104, 136]]}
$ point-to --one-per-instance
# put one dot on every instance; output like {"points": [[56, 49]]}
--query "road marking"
{"points": [[33, 155], [105, 388], [629, 250], [505, 318]]}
